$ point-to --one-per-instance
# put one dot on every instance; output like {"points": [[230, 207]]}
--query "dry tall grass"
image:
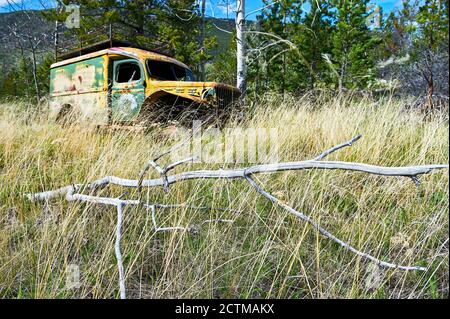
{"points": [[266, 253]]}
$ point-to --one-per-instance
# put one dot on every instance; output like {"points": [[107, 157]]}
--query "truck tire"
{"points": [[67, 115], [182, 113]]}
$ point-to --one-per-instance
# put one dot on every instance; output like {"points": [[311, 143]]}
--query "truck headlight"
{"points": [[208, 94]]}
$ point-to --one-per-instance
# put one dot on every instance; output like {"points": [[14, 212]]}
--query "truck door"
{"points": [[127, 90]]}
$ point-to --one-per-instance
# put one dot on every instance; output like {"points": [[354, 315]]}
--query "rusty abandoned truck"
{"points": [[124, 84]]}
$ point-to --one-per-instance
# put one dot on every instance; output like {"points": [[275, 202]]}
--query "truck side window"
{"points": [[128, 72]]}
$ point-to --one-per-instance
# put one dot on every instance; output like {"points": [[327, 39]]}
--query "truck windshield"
{"points": [[167, 71]]}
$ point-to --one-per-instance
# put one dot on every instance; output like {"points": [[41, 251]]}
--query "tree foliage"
{"points": [[329, 45], [417, 50]]}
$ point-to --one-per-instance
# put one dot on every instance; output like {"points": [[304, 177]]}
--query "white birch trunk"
{"points": [[240, 54], [202, 42]]}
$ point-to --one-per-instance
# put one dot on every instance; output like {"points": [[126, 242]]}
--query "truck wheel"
{"points": [[67, 115], [151, 113], [182, 113]]}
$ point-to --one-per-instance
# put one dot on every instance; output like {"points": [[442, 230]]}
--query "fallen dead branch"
{"points": [[75, 192], [410, 171]]}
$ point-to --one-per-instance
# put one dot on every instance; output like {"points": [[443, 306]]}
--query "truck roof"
{"points": [[127, 51]]}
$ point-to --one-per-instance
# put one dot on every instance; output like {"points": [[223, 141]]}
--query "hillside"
{"points": [[30, 23]]}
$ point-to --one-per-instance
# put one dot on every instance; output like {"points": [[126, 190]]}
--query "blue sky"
{"points": [[216, 8]]}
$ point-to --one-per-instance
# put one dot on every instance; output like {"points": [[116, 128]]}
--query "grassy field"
{"points": [[265, 252]]}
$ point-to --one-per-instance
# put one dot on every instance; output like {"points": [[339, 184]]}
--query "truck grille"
{"points": [[225, 97]]}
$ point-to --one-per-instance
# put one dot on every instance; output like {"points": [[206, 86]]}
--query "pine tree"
{"points": [[179, 27], [352, 43], [43, 73], [430, 41], [417, 35], [224, 67], [281, 19], [313, 39]]}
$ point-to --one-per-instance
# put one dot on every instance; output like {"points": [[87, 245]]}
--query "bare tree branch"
{"points": [[337, 147], [118, 253], [407, 171], [325, 233], [191, 229]]}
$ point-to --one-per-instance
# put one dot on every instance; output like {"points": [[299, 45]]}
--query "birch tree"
{"points": [[240, 52]]}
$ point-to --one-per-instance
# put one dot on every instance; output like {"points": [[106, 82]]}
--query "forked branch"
{"points": [[408, 171]]}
